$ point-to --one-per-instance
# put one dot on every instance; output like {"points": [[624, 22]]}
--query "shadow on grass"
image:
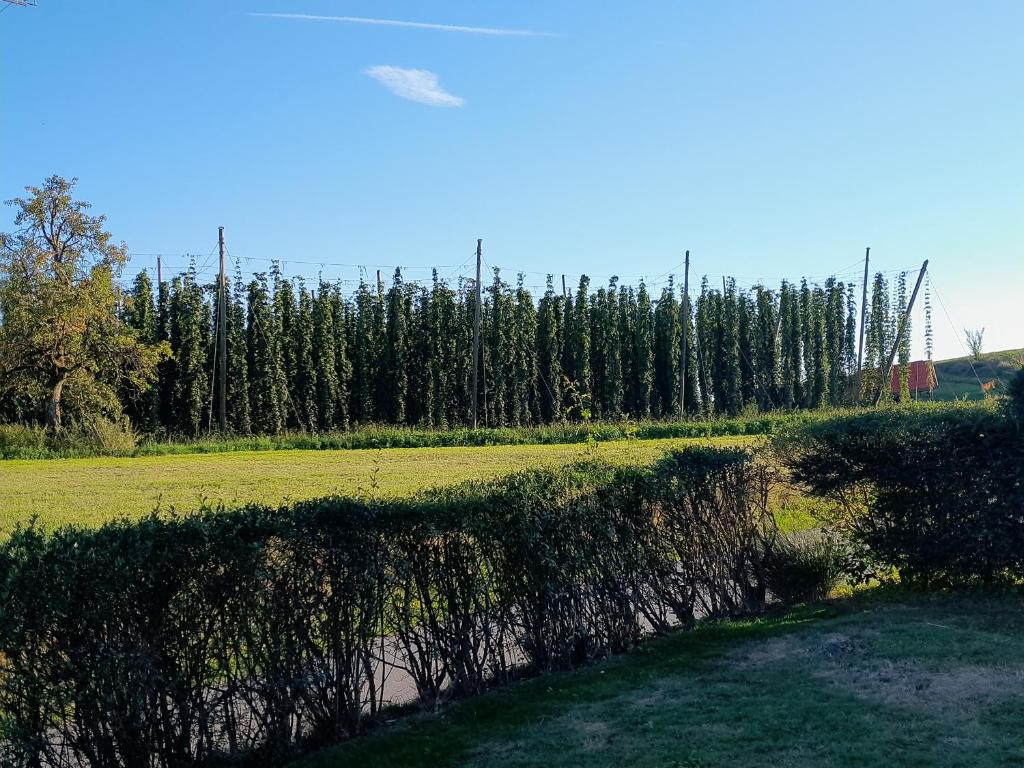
{"points": [[446, 737], [887, 677]]}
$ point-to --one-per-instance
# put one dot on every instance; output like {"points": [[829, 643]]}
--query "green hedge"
{"points": [[937, 492], [241, 635]]}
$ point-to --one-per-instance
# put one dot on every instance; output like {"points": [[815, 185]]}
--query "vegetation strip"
{"points": [[22, 442], [251, 632]]}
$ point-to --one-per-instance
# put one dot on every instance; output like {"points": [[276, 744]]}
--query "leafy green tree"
{"points": [[61, 333]]}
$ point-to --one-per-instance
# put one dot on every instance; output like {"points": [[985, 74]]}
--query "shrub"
{"points": [[937, 492], [242, 634], [1015, 399], [98, 436], [21, 440], [805, 566]]}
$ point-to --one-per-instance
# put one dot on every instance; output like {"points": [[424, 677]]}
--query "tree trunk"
{"points": [[53, 404]]}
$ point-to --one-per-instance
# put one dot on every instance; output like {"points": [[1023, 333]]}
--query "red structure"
{"points": [[922, 377]]}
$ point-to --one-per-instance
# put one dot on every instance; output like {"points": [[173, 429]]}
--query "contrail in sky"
{"points": [[493, 31]]}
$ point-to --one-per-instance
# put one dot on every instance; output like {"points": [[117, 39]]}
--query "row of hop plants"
{"points": [[244, 635]]}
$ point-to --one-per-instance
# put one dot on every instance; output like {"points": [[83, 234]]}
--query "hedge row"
{"points": [[238, 636], [937, 493], [25, 442]]}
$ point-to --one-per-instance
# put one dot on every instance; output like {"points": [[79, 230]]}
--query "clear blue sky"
{"points": [[772, 139]]}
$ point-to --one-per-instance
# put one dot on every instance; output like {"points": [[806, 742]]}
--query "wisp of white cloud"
{"points": [[496, 32], [414, 84]]}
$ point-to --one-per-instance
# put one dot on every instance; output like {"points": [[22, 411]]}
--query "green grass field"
{"points": [[962, 377], [872, 681], [91, 491]]}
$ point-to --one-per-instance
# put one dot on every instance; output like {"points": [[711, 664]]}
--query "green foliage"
{"points": [[320, 361], [22, 440], [129, 643], [666, 354], [238, 402], [192, 344], [376, 436], [61, 339], [264, 360], [935, 492], [1015, 398]]}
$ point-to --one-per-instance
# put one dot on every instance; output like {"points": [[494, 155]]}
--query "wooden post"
{"points": [[476, 329], [863, 318], [564, 292], [159, 272], [686, 320], [380, 284], [887, 372], [222, 333]]}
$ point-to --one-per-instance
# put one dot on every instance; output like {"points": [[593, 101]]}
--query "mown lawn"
{"points": [[90, 491], [878, 680]]}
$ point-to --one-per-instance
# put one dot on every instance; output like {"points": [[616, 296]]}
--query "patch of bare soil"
{"points": [[962, 689], [593, 734], [847, 660]]}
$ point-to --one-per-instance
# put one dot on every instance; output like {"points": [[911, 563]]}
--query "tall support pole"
{"points": [[476, 329], [863, 322], [685, 324], [564, 292], [159, 272], [887, 372], [380, 283], [222, 333]]}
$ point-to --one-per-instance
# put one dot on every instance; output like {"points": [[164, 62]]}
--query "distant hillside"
{"points": [[959, 379]]}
